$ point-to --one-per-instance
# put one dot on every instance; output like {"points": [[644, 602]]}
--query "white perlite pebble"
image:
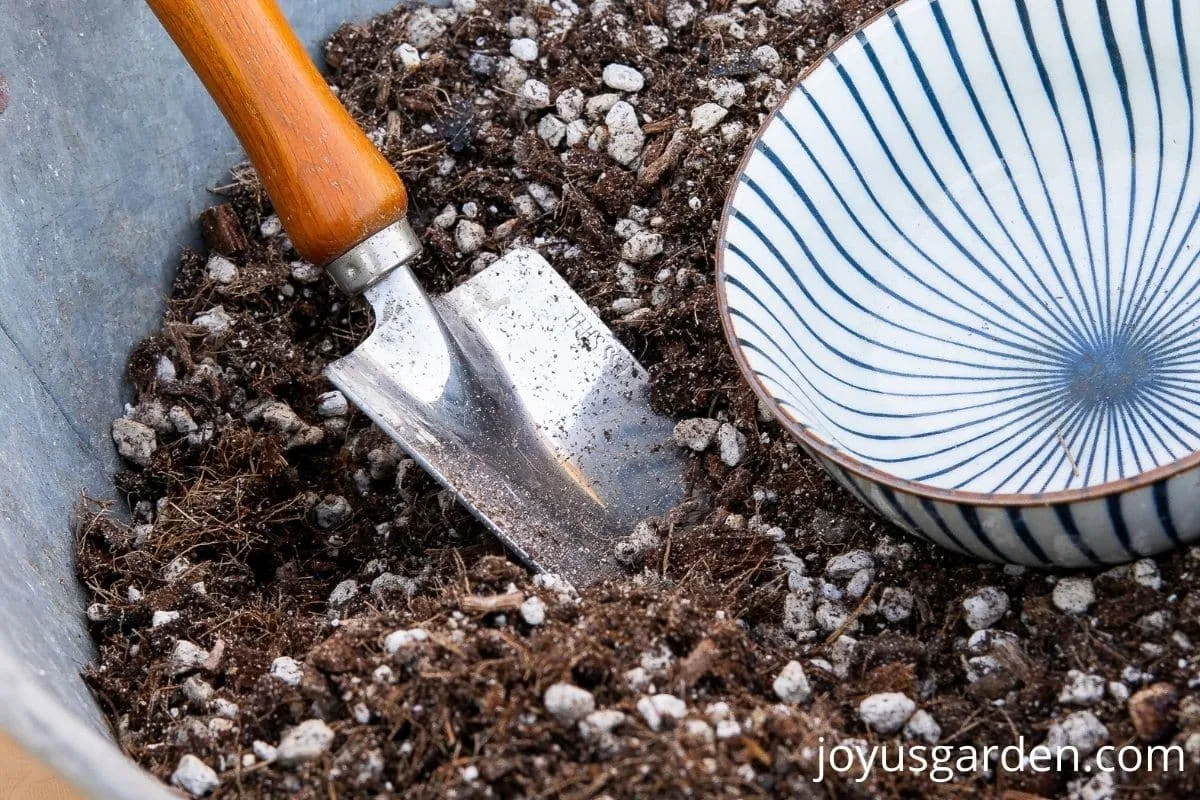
{"points": [[344, 592], [519, 26], [176, 569], [276, 415], [194, 776], [598, 723], [332, 404], [726, 91], [402, 640], [696, 434], [623, 78], [791, 684], [790, 7], [152, 414], [525, 206], [164, 369], [160, 618], [1074, 595], [533, 94], [732, 131], [135, 442], [264, 751], [656, 37], [181, 420], [510, 75], [523, 49], [768, 58], [543, 195], [601, 104], [469, 236], [307, 741], [187, 655], [562, 589], [408, 56], [1145, 573], [859, 583], [642, 247], [728, 729], [552, 129], [845, 566], [985, 608], [679, 14], [669, 706], [625, 140], [569, 104], [1102, 786], [887, 712], [661, 708], [215, 320], [332, 511], [226, 709], [731, 444], [707, 116], [923, 726], [896, 604], [1082, 689], [197, 691], [446, 218], [221, 270], [271, 226], [533, 611], [389, 585], [306, 273], [568, 703], [626, 228], [1081, 730], [424, 28], [287, 670], [798, 617]]}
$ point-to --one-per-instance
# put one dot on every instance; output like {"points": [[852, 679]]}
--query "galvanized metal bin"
{"points": [[106, 145]]}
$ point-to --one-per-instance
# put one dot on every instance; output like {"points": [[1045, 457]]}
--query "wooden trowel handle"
{"points": [[330, 186]]}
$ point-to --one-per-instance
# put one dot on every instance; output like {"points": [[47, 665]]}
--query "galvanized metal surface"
{"points": [[106, 141], [513, 393]]}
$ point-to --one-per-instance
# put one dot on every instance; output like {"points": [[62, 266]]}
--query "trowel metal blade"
{"points": [[514, 395]]}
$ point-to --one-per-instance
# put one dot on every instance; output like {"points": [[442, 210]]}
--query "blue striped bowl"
{"points": [[949, 277]]}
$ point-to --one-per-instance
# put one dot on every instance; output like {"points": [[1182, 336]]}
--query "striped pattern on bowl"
{"points": [[943, 263]]}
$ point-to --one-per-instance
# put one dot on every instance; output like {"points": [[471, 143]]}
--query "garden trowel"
{"points": [[509, 389]]}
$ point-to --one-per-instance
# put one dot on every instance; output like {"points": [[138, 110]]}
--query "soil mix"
{"points": [[291, 608]]}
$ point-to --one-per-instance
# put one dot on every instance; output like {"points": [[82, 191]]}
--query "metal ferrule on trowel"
{"points": [[509, 389]]}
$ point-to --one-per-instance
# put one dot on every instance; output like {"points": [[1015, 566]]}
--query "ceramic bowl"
{"points": [[946, 272]]}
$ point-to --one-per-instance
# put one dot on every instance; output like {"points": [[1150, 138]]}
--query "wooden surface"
{"points": [[329, 185], [23, 777]]}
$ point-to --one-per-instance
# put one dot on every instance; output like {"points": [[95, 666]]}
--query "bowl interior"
{"points": [[963, 251]]}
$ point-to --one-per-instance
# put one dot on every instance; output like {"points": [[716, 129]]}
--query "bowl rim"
{"points": [[860, 468]]}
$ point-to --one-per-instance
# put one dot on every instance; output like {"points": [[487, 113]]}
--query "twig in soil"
{"points": [[422, 149], [854, 615], [970, 724], [1016, 736], [490, 604], [666, 559], [697, 663]]}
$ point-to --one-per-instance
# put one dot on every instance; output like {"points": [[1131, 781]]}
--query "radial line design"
{"points": [[966, 250]]}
